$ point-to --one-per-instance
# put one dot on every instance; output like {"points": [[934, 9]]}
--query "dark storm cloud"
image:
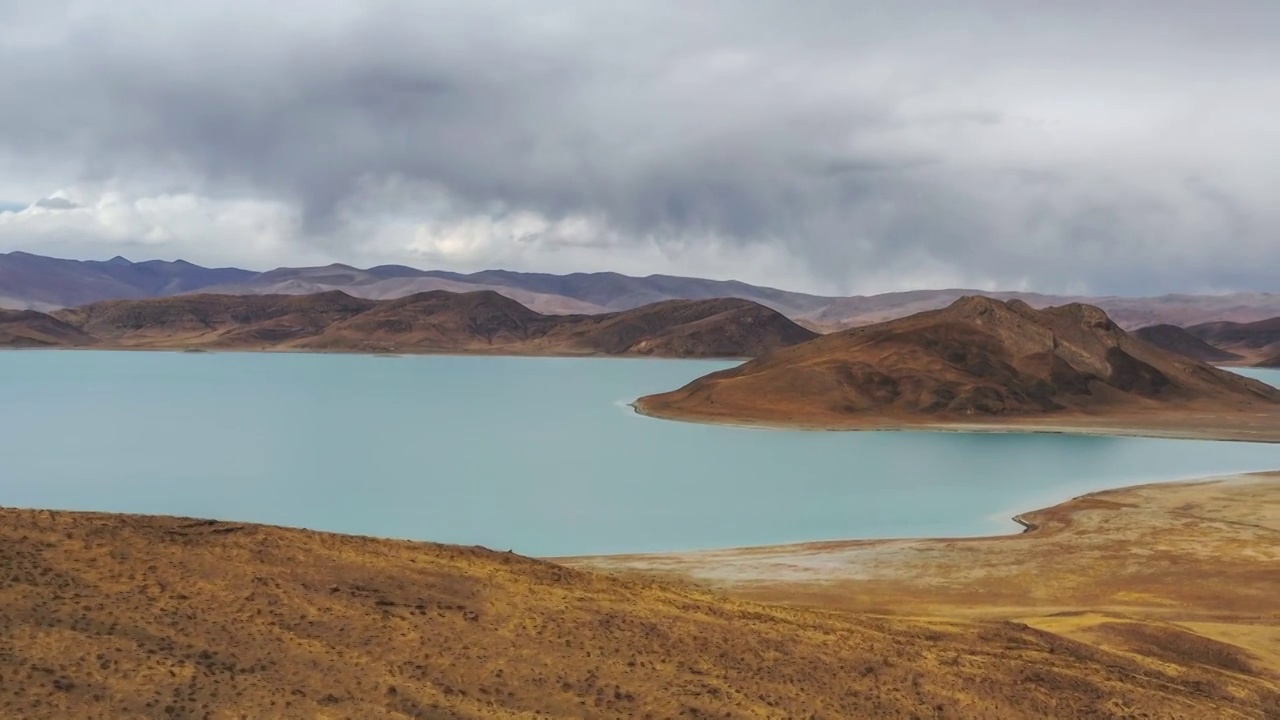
{"points": [[1114, 146]]}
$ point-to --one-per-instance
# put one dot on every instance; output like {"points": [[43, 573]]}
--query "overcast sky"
{"points": [[843, 146]]}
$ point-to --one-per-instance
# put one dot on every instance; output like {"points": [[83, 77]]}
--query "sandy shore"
{"points": [[1200, 557]]}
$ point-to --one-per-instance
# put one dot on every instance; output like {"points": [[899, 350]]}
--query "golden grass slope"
{"points": [[122, 616], [1180, 574]]}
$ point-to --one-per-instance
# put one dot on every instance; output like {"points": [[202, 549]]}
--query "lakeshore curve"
{"points": [[1190, 565]]}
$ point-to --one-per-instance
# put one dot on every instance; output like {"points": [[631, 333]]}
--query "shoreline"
{"points": [[197, 350], [464, 353], [1022, 519], [1193, 556], [1089, 427]]}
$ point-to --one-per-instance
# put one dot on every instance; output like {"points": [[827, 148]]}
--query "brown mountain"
{"points": [[435, 321], [1176, 339], [979, 358], [1254, 340], [1270, 362], [28, 328]]}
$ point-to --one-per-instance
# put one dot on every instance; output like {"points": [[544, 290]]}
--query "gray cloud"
{"points": [[1115, 147], [56, 203]]}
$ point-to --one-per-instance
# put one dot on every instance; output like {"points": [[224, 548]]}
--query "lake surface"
{"points": [[537, 455]]}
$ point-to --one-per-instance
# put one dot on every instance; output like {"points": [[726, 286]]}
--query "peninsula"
{"points": [[983, 364]]}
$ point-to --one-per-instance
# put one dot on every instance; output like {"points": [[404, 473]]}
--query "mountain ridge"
{"points": [[436, 321], [34, 282]]}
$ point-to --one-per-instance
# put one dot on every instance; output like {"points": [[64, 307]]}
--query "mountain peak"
{"points": [[977, 357]]}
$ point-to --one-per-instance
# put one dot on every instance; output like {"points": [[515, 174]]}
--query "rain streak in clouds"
{"points": [[1124, 148]]}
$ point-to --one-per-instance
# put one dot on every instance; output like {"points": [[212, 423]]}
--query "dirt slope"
{"points": [[1176, 339], [125, 616], [28, 328], [436, 321], [229, 321], [1256, 340], [978, 358]]}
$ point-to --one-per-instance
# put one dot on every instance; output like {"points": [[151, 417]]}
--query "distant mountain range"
{"points": [[42, 283]]}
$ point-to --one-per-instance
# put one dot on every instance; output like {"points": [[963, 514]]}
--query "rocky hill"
{"points": [[436, 321], [28, 328], [977, 358], [1257, 341], [1176, 339]]}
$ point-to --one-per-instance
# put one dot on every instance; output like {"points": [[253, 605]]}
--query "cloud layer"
{"points": [[837, 147]]}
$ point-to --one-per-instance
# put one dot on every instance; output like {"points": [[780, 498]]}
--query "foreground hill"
{"points": [[1176, 339], [435, 321], [127, 616], [1254, 340], [1201, 595], [979, 358], [28, 328]]}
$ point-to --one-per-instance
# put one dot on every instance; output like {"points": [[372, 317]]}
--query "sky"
{"points": [[829, 146]]}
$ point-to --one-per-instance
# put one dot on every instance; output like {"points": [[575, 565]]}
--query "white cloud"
{"points": [[100, 222]]}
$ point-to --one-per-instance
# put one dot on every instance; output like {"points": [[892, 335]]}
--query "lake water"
{"points": [[537, 455]]}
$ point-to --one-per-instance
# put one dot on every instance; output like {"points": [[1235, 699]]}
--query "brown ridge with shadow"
{"points": [[1176, 339], [28, 328], [436, 321], [1258, 340], [978, 362]]}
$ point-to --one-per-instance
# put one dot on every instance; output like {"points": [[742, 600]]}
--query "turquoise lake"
{"points": [[537, 455]]}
